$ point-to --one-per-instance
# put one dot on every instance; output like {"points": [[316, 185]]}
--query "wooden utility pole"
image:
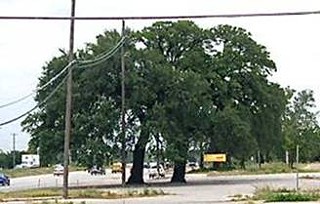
{"points": [[297, 161], [123, 112], [13, 150], [68, 105]]}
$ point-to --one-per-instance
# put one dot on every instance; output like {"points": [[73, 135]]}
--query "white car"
{"points": [[58, 170]]}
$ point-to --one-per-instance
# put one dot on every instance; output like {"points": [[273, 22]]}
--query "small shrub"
{"points": [[109, 195], [146, 192], [154, 192], [277, 197], [130, 193]]}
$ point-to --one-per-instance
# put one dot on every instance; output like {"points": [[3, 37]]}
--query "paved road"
{"points": [[80, 178], [199, 189]]}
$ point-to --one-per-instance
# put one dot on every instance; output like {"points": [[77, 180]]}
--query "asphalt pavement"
{"points": [[198, 189]]}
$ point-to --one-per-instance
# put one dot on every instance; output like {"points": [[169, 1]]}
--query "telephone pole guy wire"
{"points": [[68, 106]]}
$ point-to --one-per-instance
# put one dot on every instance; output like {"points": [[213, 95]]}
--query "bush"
{"points": [[292, 197]]}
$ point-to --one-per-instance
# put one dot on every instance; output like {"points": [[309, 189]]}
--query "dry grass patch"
{"points": [[52, 193]]}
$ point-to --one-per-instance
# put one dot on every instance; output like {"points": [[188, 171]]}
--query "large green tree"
{"points": [[185, 84], [172, 56], [239, 81]]}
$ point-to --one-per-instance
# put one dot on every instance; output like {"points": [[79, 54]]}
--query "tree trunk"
{"points": [[136, 176], [201, 164], [242, 164], [291, 159], [179, 173]]}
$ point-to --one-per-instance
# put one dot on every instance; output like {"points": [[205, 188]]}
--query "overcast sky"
{"points": [[26, 46]]}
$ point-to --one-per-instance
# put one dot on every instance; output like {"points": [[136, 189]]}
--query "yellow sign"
{"points": [[214, 158]]}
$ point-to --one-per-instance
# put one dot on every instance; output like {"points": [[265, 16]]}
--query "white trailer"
{"points": [[30, 160]]}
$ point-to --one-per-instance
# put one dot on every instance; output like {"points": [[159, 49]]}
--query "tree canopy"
{"points": [[186, 88]]}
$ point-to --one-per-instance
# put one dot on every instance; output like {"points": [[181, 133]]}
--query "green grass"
{"points": [[289, 197], [13, 173], [267, 168], [283, 194], [54, 193]]}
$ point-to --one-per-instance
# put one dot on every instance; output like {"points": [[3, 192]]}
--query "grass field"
{"points": [[13, 173], [55, 193]]}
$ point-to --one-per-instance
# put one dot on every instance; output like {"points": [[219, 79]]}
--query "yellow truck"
{"points": [[116, 167]]}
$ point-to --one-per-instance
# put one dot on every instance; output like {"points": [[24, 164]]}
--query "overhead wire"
{"points": [[238, 15], [73, 64], [36, 106], [97, 61], [106, 54], [81, 64], [16, 100], [103, 57], [39, 88]]}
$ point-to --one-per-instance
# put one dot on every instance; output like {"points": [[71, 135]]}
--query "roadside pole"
{"points": [[13, 150], [123, 112], [297, 175], [68, 115]]}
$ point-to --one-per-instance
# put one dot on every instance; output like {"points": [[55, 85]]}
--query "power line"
{"points": [[36, 106], [87, 63], [240, 15], [16, 100], [101, 58], [106, 54], [80, 64], [38, 89]]}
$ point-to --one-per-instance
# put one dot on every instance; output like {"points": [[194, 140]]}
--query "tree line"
{"points": [[189, 90]]}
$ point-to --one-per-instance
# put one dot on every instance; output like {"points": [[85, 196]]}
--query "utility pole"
{"points": [[297, 175], [123, 119], [13, 150], [68, 115]]}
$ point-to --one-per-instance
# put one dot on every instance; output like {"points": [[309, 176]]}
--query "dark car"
{"points": [[97, 170], [4, 180]]}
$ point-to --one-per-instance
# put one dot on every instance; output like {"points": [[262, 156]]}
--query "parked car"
{"points": [[97, 170], [4, 179], [116, 167], [193, 166], [58, 170], [155, 171]]}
